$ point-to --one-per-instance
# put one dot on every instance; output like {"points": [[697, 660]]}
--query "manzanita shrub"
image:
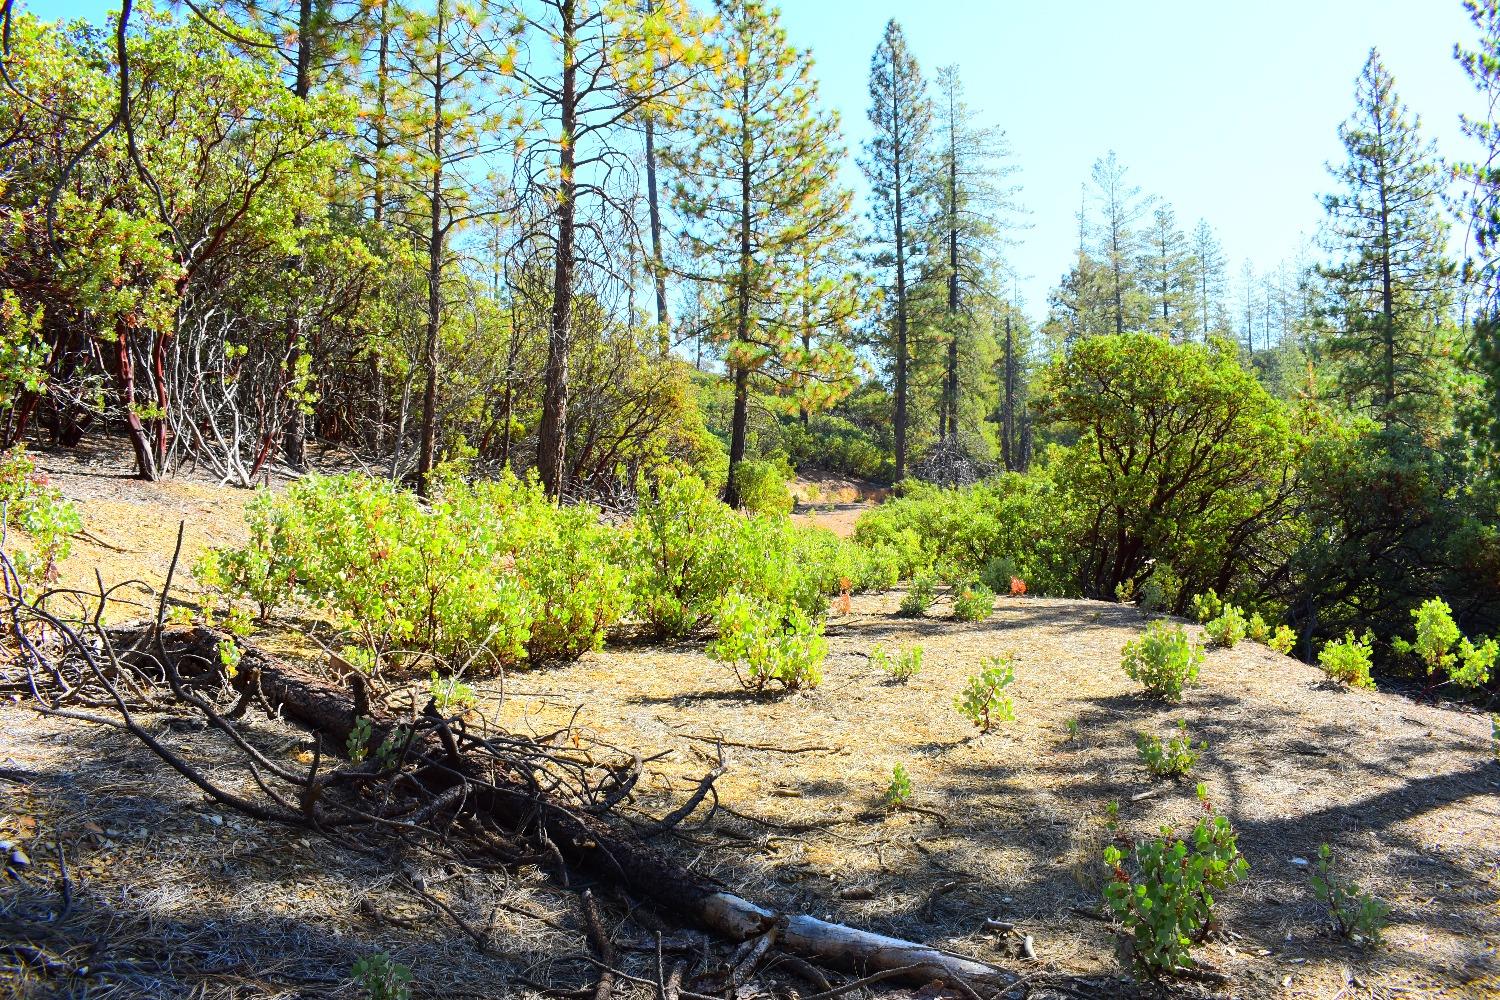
{"points": [[1172, 758], [487, 574], [30, 504], [973, 602], [680, 549], [1163, 893], [1164, 660], [1354, 914], [983, 700], [1347, 660], [767, 643], [1228, 628], [1441, 647]]}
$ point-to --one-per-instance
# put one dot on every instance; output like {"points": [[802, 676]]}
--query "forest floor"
{"points": [[174, 897]]}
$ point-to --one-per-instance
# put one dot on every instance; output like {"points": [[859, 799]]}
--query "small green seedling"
{"points": [[898, 792], [983, 700], [1172, 759], [1356, 915]]}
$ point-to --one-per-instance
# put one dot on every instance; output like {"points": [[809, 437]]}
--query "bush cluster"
{"points": [[1166, 902], [1164, 660], [1347, 660], [32, 505], [1173, 758]]}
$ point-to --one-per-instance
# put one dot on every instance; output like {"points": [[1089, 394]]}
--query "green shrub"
{"points": [[1355, 914], [1172, 759], [762, 485], [1347, 660], [1207, 606], [1284, 641], [998, 572], [1440, 646], [983, 700], [920, 595], [902, 667], [459, 579], [1166, 903], [31, 504], [899, 791], [1228, 628], [834, 444], [973, 602], [679, 551], [1013, 517], [380, 977], [1164, 660], [771, 643], [1257, 630]]}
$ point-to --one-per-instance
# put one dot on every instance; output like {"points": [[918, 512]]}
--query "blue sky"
{"points": [[1228, 110]]}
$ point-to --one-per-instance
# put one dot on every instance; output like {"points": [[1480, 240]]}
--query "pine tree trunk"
{"points": [[552, 443], [435, 237], [294, 445]]}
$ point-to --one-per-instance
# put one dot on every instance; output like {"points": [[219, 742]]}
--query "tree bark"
{"points": [[552, 442], [434, 270]]}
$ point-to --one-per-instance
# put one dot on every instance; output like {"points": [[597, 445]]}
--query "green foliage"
{"points": [[771, 643], [1355, 914], [489, 572], [1347, 660], [983, 700], [902, 667], [1207, 606], [1439, 645], [834, 444], [1284, 641], [1228, 628], [679, 551], [381, 977], [357, 746], [451, 695], [1436, 635], [31, 504], [899, 791], [1072, 730], [762, 486], [1164, 660], [1007, 524], [1174, 442], [920, 595], [973, 602], [1256, 630], [1166, 903], [1172, 759]]}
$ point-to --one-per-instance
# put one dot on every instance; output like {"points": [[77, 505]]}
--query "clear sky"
{"points": [[1228, 110]]}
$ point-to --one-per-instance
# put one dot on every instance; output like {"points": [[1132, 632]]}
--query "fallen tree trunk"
{"points": [[605, 852]]}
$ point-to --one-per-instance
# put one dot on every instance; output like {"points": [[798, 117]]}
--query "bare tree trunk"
{"points": [[434, 269], [901, 345], [739, 425], [1008, 444], [294, 447], [552, 443], [145, 460]]}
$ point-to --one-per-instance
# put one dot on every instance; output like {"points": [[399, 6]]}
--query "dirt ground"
{"points": [[175, 897]]}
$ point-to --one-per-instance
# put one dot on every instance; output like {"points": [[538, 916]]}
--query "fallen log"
{"points": [[608, 853]]}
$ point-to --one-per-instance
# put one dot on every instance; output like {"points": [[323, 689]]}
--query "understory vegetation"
{"points": [[513, 368]]}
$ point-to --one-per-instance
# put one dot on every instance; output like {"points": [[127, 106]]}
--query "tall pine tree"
{"points": [[897, 164], [758, 186], [1392, 285]]}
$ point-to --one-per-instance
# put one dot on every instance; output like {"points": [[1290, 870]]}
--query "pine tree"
{"points": [[1208, 280], [1480, 208], [588, 70], [1117, 240], [897, 164], [1168, 275], [758, 185], [975, 209], [1392, 289]]}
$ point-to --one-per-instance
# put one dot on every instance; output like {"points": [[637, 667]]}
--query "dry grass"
{"points": [[1405, 793]]}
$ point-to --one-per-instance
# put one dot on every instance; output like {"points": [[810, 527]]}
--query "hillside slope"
{"points": [[1008, 824]]}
